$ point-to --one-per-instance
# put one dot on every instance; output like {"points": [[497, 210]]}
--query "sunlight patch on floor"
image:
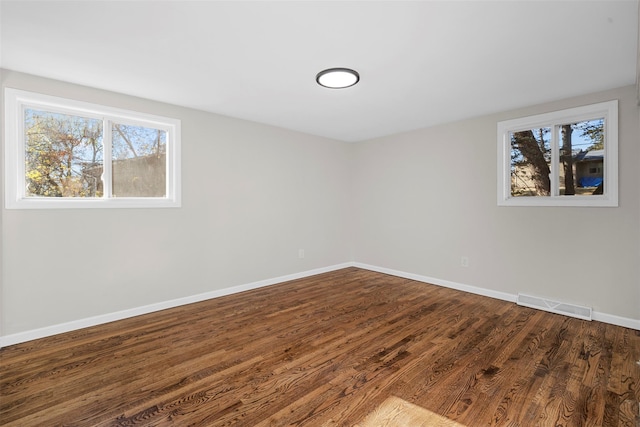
{"points": [[396, 412]]}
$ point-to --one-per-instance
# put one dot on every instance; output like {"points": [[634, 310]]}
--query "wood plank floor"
{"points": [[326, 351]]}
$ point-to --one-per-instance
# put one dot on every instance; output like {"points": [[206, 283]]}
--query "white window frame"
{"points": [[16, 101], [607, 110]]}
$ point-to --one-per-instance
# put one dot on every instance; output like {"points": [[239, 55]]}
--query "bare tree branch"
{"points": [[126, 140]]}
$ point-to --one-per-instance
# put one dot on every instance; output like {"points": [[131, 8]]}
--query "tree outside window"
{"points": [[562, 158], [62, 153]]}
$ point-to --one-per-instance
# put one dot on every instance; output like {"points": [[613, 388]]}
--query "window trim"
{"points": [[16, 101], [607, 110]]}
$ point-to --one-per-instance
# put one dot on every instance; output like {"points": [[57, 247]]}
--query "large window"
{"points": [[563, 158], [61, 153]]}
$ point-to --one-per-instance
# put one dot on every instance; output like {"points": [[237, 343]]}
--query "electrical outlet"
{"points": [[300, 253], [464, 261]]}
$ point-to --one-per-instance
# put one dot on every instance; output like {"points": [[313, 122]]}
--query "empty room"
{"points": [[320, 213]]}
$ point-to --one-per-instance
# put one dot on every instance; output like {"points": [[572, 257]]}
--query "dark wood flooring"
{"points": [[325, 351]]}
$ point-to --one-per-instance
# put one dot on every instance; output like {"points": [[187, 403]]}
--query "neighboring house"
{"points": [[135, 177], [588, 167]]}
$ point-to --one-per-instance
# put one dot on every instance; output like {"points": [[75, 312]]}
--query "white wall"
{"points": [[424, 199], [252, 195]]}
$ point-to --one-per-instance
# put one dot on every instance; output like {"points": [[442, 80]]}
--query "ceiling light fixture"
{"points": [[337, 78]]}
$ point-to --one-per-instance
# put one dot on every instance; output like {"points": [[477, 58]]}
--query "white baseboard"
{"points": [[616, 320], [440, 282], [137, 311], [598, 316]]}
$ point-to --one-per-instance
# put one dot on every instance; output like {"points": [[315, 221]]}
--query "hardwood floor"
{"points": [[326, 351]]}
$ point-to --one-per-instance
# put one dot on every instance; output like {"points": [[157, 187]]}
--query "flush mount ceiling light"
{"points": [[337, 78]]}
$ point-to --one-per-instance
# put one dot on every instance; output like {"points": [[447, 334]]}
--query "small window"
{"points": [[63, 153], [564, 158]]}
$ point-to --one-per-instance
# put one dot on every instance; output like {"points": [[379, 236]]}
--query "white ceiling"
{"points": [[421, 62]]}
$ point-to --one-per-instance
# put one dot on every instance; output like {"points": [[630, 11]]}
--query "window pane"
{"points": [[139, 161], [63, 155], [581, 168], [530, 162]]}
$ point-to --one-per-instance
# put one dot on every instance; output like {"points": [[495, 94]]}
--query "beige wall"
{"points": [[252, 195], [424, 199]]}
